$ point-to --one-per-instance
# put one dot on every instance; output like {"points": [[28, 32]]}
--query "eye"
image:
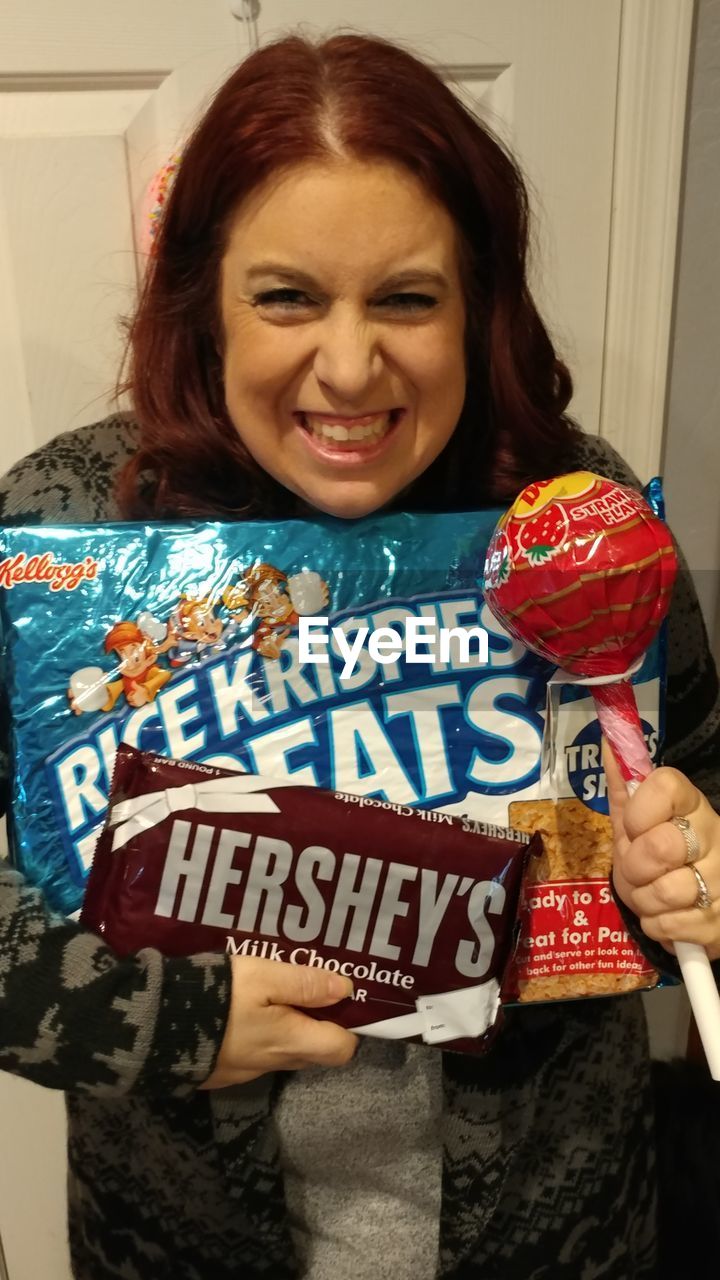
{"points": [[283, 299], [408, 302]]}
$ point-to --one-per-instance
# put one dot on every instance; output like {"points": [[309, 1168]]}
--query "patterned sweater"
{"points": [[546, 1144]]}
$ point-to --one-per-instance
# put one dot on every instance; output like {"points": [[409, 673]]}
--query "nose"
{"points": [[348, 359]]}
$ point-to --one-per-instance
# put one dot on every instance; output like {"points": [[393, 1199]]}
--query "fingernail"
{"points": [[340, 986]]}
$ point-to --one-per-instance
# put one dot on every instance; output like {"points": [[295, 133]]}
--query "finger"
{"points": [[617, 793], [702, 927], [323, 1044], [675, 891], [655, 853], [300, 985], [616, 784], [665, 794]]}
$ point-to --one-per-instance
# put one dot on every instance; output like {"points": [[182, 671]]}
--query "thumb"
{"points": [[301, 986], [617, 792]]}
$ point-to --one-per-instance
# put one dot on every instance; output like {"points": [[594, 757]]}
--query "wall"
{"points": [[692, 443], [692, 439]]}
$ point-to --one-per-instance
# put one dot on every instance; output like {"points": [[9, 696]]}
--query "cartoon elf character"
{"points": [[270, 602], [141, 678], [277, 599], [195, 628], [279, 602], [236, 599]]}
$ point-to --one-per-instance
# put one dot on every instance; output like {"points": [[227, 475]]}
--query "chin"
{"points": [[351, 504]]}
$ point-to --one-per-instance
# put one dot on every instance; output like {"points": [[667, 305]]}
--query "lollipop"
{"points": [[580, 570]]}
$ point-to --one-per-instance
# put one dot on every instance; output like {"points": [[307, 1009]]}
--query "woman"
{"points": [[336, 317]]}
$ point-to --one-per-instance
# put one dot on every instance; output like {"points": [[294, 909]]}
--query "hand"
{"points": [[265, 1032], [650, 870]]}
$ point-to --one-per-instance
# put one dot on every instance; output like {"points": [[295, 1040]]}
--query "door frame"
{"points": [[653, 81]]}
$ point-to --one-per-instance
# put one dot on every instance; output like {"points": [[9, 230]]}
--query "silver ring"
{"points": [[690, 836], [703, 900]]}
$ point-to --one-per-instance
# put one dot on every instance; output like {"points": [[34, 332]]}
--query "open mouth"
{"points": [[349, 435]]}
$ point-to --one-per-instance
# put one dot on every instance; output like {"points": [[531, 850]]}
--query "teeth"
{"points": [[373, 430]]}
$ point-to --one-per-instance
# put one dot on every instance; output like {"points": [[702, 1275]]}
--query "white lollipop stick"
{"points": [[615, 705], [704, 999]]}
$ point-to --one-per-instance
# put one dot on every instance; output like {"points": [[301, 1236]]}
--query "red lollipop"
{"points": [[580, 570]]}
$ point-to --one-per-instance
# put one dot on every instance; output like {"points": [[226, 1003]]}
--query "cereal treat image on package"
{"points": [[571, 941]]}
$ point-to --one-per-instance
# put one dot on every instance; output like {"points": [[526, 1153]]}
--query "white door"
{"points": [[93, 96]]}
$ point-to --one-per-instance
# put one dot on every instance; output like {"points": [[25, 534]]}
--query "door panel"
{"points": [[65, 202], [92, 99]]}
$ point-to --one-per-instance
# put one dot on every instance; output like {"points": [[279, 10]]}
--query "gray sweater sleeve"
{"points": [[73, 1015]]}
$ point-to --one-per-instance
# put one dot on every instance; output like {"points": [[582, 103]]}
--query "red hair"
{"points": [[294, 101]]}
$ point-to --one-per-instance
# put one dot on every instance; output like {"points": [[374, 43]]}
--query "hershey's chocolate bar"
{"points": [[416, 906]]}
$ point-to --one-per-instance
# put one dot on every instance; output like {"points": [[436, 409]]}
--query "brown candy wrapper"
{"points": [[417, 907]]}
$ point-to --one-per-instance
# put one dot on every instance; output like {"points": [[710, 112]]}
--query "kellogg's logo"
{"points": [[58, 575]]}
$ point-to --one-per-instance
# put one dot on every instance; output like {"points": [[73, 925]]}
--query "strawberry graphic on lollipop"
{"points": [[540, 537], [539, 521]]}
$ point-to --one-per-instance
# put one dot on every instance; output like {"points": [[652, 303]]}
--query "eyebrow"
{"points": [[398, 280]]}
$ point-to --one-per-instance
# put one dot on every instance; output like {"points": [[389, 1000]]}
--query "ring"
{"points": [[703, 900], [690, 836]]}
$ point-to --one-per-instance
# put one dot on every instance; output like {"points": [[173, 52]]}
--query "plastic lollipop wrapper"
{"points": [[581, 571]]}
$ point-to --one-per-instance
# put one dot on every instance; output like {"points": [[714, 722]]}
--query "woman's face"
{"points": [[343, 321]]}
